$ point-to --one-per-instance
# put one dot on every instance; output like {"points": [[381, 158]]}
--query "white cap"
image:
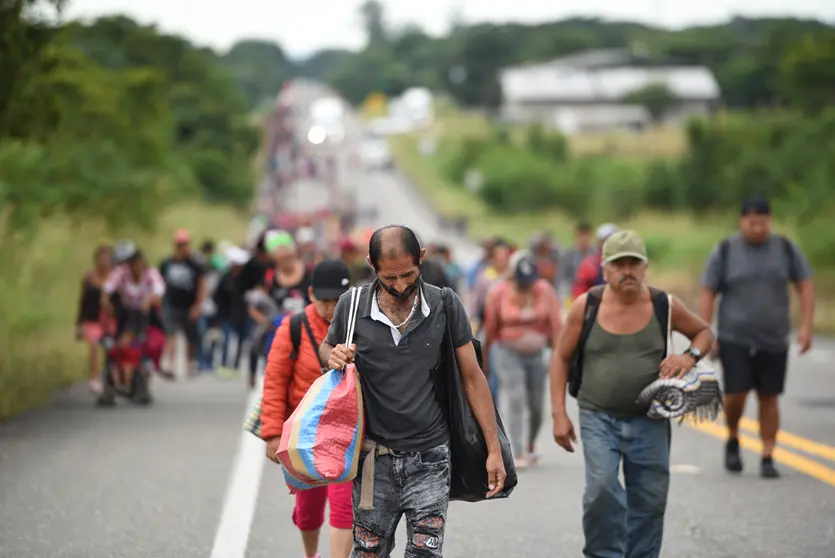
{"points": [[606, 230], [305, 235], [236, 256]]}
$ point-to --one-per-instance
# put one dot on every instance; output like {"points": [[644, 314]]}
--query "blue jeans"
{"points": [[411, 484], [493, 380], [205, 354], [241, 332], [618, 522]]}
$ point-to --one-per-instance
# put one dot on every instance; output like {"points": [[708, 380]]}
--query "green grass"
{"points": [[39, 289], [680, 242]]}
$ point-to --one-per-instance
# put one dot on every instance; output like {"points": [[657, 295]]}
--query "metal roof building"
{"points": [[597, 83]]}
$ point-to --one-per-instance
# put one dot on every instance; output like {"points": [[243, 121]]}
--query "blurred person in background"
{"points": [[139, 287], [307, 246], [495, 270], [432, 272], [545, 252], [751, 273], [182, 305], [351, 255], [208, 327], [283, 291], [452, 270], [88, 323], [590, 272], [522, 320], [289, 374], [475, 271], [573, 257], [232, 312]]}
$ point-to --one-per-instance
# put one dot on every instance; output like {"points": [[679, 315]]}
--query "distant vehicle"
{"points": [[327, 121], [375, 152]]}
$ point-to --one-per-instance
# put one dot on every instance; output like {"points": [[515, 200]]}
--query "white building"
{"points": [[586, 91]]}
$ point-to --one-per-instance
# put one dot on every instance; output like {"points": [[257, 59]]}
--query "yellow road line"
{"points": [[792, 440], [790, 459]]}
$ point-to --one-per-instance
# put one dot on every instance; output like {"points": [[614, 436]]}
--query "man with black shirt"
{"points": [[400, 329], [183, 300]]}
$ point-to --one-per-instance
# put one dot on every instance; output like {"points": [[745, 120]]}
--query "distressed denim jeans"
{"points": [[625, 522], [414, 484]]}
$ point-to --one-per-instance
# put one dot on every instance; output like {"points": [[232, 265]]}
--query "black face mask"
{"points": [[410, 290]]}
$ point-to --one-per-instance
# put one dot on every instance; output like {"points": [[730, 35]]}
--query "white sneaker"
{"points": [[95, 386]]}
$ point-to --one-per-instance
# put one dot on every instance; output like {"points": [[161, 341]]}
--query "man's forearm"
{"points": [[706, 306], [481, 403], [807, 303], [325, 352], [703, 341]]}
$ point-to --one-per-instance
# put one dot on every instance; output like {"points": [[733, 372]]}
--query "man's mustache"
{"points": [[626, 278]]}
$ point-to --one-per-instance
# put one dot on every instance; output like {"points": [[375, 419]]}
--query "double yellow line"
{"points": [[794, 459]]}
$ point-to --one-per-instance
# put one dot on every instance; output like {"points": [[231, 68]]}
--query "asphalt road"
{"points": [[182, 480]]}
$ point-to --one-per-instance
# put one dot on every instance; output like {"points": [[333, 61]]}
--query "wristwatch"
{"points": [[695, 353]]}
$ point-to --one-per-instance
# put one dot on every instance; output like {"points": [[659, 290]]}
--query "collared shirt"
{"points": [[397, 371], [377, 314]]}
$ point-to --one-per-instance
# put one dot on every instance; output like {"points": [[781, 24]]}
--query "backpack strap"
{"points": [[575, 373], [724, 248], [593, 298], [296, 332], [313, 341], [447, 302], [790, 256], [661, 308]]}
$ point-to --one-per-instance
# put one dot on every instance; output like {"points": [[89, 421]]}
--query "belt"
{"points": [[368, 471]]}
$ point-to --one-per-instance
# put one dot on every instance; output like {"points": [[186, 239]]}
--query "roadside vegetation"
{"points": [[684, 201], [107, 130]]}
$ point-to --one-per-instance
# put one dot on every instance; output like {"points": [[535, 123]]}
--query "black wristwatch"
{"points": [[695, 353]]}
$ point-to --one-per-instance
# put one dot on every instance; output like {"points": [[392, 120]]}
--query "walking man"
{"points": [[185, 290], [400, 330], [624, 351], [750, 272]]}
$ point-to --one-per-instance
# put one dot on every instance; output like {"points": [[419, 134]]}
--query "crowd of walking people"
{"points": [[583, 320]]}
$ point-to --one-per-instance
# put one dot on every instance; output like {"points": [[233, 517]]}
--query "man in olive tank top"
{"points": [[621, 350]]}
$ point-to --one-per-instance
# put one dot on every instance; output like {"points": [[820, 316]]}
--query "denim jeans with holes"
{"points": [[625, 522], [411, 484]]}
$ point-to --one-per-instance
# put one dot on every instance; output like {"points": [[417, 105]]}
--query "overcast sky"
{"points": [[303, 26]]}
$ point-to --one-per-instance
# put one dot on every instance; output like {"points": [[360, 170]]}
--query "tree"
{"points": [[259, 68], [807, 73], [373, 16], [656, 98]]}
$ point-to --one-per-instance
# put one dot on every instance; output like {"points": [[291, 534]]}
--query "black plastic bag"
{"points": [[467, 446]]}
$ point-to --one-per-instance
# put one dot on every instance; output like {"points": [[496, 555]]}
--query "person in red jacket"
{"points": [[286, 379], [590, 272]]}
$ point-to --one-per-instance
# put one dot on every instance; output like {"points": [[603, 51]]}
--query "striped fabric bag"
{"points": [[696, 395], [322, 439], [252, 424]]}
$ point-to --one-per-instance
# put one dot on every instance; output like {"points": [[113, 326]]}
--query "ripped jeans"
{"points": [[414, 484]]}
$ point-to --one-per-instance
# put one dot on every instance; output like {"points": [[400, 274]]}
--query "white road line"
{"points": [[241, 499]]}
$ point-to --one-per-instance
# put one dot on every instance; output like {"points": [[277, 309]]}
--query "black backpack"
{"points": [[298, 320], [660, 306], [724, 248]]}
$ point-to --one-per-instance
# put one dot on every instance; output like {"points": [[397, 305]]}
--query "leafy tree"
{"points": [[259, 68], [656, 98], [807, 76], [373, 17]]}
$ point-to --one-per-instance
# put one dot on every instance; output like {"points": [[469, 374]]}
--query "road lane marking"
{"points": [[793, 441], [685, 468], [798, 462], [241, 499]]}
